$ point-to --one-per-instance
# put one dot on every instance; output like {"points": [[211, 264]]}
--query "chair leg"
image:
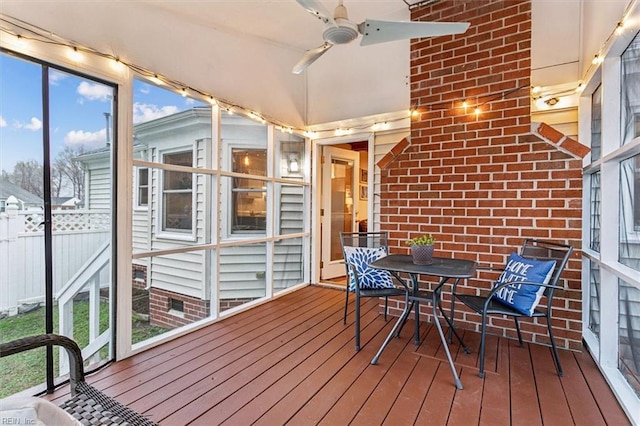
{"points": [[482, 344], [346, 305], [556, 359], [518, 330], [357, 321], [451, 330], [386, 305]]}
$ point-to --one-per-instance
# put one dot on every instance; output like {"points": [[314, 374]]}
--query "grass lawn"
{"points": [[27, 369]]}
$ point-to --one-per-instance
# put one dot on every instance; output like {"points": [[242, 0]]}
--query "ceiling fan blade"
{"points": [[382, 31], [316, 8], [310, 57]]}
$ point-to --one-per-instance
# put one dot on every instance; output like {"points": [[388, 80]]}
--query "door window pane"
{"points": [[342, 178]]}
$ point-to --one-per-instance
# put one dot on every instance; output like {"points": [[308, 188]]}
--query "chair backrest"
{"points": [[365, 239], [356, 259], [547, 250]]}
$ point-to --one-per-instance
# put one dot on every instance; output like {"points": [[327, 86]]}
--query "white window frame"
{"points": [[137, 204], [604, 348], [175, 234], [227, 190]]}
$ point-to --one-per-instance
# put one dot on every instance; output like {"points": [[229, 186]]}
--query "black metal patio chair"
{"points": [[512, 285], [358, 249], [87, 404]]}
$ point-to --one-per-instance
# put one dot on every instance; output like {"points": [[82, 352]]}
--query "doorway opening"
{"points": [[344, 189]]}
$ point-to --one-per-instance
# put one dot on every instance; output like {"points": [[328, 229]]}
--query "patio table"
{"points": [[446, 269]]}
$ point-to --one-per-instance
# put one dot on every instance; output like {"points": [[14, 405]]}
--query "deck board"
{"points": [[292, 361]]}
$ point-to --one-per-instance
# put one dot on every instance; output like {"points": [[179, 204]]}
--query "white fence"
{"points": [[77, 235]]}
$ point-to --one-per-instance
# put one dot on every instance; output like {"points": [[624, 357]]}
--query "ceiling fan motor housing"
{"points": [[345, 32]]}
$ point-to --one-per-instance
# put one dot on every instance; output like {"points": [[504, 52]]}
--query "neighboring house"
{"points": [[169, 213], [65, 203], [26, 200]]}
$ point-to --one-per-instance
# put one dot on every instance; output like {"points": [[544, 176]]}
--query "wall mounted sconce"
{"points": [[294, 166]]}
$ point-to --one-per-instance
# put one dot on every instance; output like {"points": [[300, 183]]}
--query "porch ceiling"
{"points": [[215, 44]]}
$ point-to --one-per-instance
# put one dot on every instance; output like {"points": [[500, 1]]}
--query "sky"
{"points": [[77, 110]]}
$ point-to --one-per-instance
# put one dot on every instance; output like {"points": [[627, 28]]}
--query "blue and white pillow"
{"points": [[369, 278], [522, 297]]}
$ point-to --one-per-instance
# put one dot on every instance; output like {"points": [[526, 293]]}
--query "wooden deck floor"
{"points": [[292, 361]]}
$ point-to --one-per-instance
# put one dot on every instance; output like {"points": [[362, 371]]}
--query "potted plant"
{"points": [[422, 249]]}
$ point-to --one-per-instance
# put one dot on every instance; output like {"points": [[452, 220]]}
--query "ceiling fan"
{"points": [[340, 30]]}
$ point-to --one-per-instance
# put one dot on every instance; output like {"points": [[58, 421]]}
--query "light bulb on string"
{"points": [[116, 65], [155, 79], [74, 54]]}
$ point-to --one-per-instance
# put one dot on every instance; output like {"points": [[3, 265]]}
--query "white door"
{"points": [[339, 192]]}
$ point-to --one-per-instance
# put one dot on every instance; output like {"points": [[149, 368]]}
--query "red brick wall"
{"points": [[159, 306], [482, 184]]}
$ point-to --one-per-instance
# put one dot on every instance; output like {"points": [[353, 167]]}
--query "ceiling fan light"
{"points": [[344, 33]]}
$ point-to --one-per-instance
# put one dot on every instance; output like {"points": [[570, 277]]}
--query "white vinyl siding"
{"points": [[99, 198]]}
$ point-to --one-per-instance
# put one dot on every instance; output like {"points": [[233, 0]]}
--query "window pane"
{"points": [[630, 212], [594, 298], [177, 193], [249, 196], [291, 156], [177, 211], [288, 263], [143, 187], [596, 124], [595, 212], [242, 274], [629, 334], [291, 208], [630, 87]]}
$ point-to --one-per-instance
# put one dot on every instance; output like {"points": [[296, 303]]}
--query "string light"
{"points": [[414, 112], [74, 55], [116, 65], [155, 79]]}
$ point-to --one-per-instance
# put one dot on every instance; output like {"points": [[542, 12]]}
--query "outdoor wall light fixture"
{"points": [[294, 166]]}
